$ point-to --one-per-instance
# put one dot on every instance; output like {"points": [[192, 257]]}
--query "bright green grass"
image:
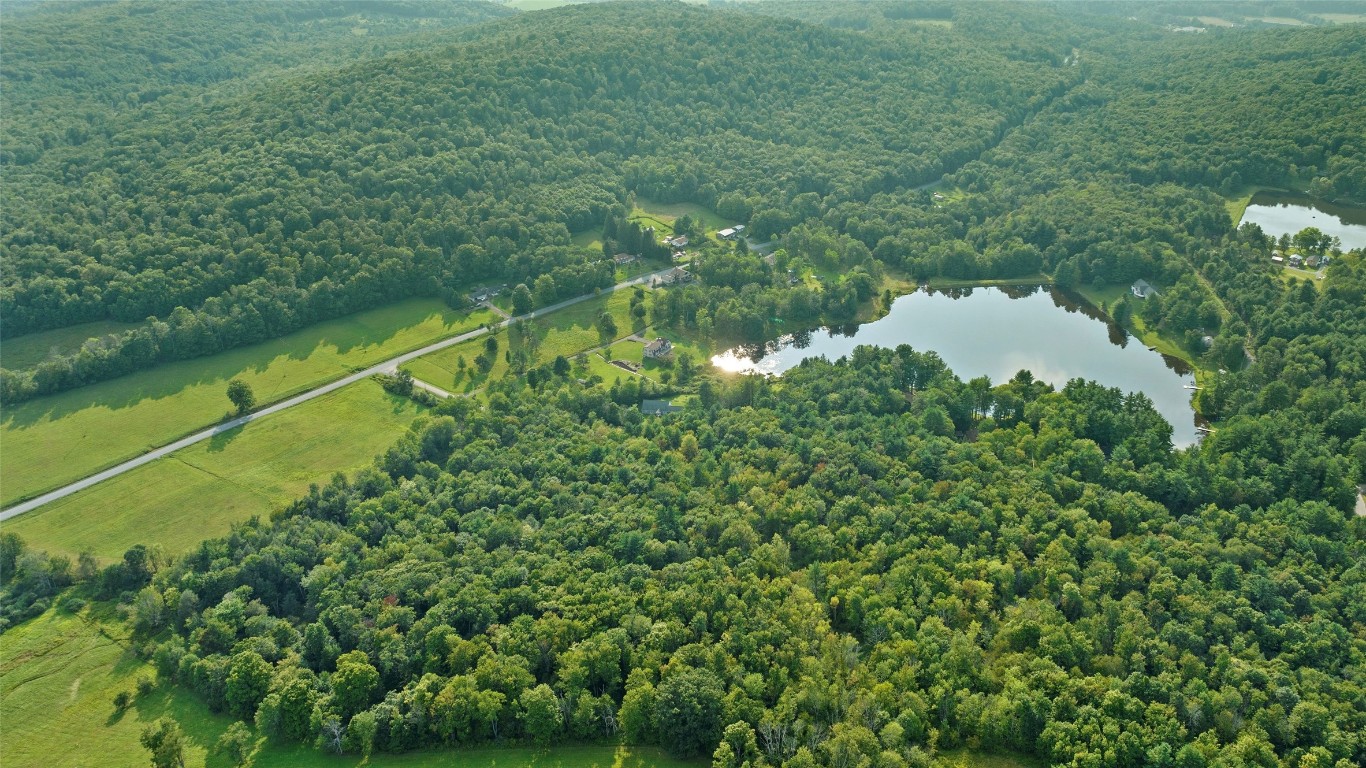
{"points": [[201, 491], [590, 239], [58, 677], [29, 350], [567, 332], [1039, 279], [1307, 275], [664, 214], [54, 440], [59, 674]]}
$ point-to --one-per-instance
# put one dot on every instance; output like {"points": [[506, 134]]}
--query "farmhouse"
{"points": [[659, 349], [678, 242], [624, 258], [676, 276], [1296, 260], [1142, 289]]}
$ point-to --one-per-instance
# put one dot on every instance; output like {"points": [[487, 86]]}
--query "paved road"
{"points": [[388, 366]]}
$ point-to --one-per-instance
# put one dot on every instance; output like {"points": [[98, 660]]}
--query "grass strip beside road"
{"points": [[201, 491], [55, 440]]}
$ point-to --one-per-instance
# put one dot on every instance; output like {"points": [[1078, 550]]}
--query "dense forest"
{"points": [[415, 173], [857, 565], [851, 567]]}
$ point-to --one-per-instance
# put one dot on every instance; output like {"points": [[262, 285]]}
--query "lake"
{"points": [[1279, 213], [996, 332]]}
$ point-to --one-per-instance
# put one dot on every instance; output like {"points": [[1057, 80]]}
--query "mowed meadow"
{"points": [[566, 332], [51, 441], [201, 491], [60, 672]]}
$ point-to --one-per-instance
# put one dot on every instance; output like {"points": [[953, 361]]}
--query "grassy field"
{"points": [[953, 282], [567, 332], [59, 674], [661, 216], [201, 491], [29, 350], [54, 440]]}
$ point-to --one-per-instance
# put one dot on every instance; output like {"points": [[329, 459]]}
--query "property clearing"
{"points": [[201, 491], [54, 440], [567, 332]]}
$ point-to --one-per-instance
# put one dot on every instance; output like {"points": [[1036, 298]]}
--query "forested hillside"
{"points": [[860, 564], [83, 71], [419, 172]]}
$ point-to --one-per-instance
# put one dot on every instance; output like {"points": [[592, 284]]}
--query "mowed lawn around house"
{"points": [[54, 440], [661, 216], [567, 332], [59, 674], [200, 492]]}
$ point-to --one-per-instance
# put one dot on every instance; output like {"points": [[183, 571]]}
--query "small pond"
{"points": [[1279, 213], [996, 332]]}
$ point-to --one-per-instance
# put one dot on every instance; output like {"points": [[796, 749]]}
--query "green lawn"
{"points": [[567, 332], [1039, 279], [29, 350], [54, 440], [199, 492], [661, 216], [657, 213], [59, 674]]}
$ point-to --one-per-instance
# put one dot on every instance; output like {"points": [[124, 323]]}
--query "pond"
{"points": [[1279, 213], [997, 332]]}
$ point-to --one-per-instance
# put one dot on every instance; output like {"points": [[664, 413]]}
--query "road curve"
{"points": [[387, 366]]}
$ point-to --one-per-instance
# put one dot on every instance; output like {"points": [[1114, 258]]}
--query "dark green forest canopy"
{"points": [[80, 71], [861, 563], [815, 557], [285, 200]]}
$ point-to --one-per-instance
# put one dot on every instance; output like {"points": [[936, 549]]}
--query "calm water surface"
{"points": [[998, 332], [1279, 214]]}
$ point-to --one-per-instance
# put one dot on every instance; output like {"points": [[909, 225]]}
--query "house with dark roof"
{"points": [[1142, 289], [658, 407]]}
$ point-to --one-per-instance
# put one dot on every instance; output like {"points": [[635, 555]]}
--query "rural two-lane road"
{"points": [[388, 366]]}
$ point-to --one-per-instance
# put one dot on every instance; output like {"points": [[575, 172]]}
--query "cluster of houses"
{"points": [[1312, 261]]}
